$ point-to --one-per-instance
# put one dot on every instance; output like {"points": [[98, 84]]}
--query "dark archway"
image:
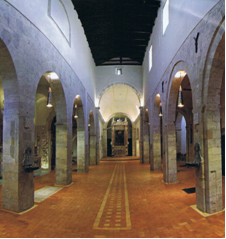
{"points": [[179, 83], [79, 135]]}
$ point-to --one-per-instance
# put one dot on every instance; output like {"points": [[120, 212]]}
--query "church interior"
{"points": [[112, 118]]}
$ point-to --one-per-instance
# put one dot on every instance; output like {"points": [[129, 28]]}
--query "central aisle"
{"points": [[115, 199]]}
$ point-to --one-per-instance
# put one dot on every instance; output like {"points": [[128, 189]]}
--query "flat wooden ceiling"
{"points": [[117, 31]]}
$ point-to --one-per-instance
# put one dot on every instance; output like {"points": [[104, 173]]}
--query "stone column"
{"points": [[126, 139], [212, 160], [104, 138], [134, 141], [156, 161], [0, 165], [169, 161], [97, 135], [18, 185], [81, 166], [92, 149], [112, 139], [191, 144], [146, 143], [141, 134], [187, 144], [63, 162]]}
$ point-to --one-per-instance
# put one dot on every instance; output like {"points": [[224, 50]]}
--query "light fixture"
{"points": [[118, 71], [49, 100], [75, 116], [180, 98], [160, 109]]}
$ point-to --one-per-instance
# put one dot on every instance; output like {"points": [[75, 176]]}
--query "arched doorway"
{"points": [[79, 135], [180, 100], [50, 103], [181, 137], [45, 132]]}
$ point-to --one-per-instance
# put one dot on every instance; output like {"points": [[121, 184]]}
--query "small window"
{"points": [[165, 16], [150, 58]]}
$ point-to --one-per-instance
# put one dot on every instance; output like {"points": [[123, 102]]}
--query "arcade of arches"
{"points": [[50, 123]]}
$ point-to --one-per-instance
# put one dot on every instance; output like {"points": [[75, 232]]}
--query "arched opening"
{"points": [[180, 100], [181, 137], [79, 135], [92, 140], [213, 119], [146, 144], [51, 128], [45, 130]]}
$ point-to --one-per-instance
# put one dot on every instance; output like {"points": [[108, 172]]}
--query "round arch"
{"points": [[79, 145], [118, 83], [214, 77], [178, 79], [50, 86]]}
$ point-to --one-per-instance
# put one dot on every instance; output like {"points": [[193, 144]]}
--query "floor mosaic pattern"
{"points": [[114, 211]]}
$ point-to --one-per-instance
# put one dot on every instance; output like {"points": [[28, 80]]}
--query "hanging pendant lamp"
{"points": [[49, 100], [75, 116], [160, 109], [180, 98]]}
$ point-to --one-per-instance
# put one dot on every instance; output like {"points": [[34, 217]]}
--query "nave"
{"points": [[115, 199]]}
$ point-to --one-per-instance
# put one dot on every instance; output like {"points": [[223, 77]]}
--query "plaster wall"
{"points": [[165, 47], [131, 75], [58, 22]]}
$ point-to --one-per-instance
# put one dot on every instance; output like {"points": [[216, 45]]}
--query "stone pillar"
{"points": [[18, 185], [97, 135], [169, 162], [187, 144], [92, 149], [191, 144], [104, 138], [63, 162], [112, 139], [141, 134], [1, 168], [81, 166], [126, 139], [212, 160], [156, 160], [146, 143], [134, 141]]}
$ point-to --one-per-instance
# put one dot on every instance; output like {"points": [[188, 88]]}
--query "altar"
{"points": [[119, 141]]}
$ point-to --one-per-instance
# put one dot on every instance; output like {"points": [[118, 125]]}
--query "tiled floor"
{"points": [[115, 199]]}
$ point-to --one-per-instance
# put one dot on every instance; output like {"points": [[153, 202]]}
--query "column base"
{"points": [[205, 214]]}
